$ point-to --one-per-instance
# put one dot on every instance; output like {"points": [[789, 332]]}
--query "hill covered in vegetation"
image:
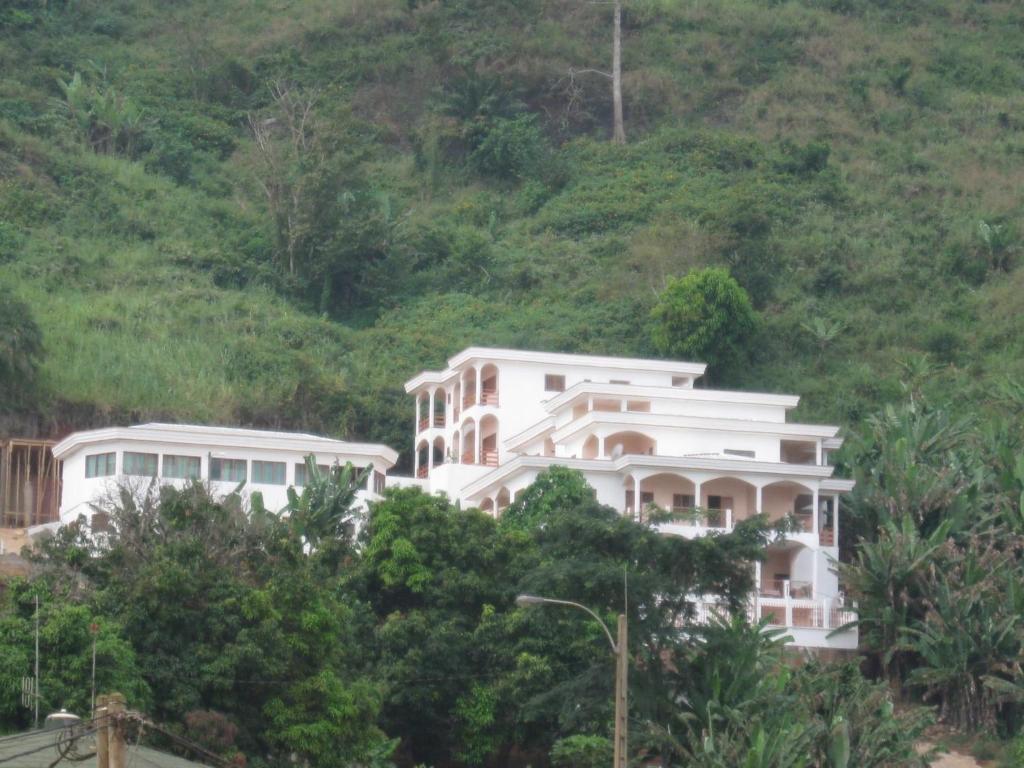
{"points": [[272, 212]]}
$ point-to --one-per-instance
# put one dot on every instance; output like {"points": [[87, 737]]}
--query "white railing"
{"points": [[782, 612]]}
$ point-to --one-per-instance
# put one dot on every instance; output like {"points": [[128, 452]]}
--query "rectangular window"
{"points": [[269, 472], [100, 465], [300, 473], [182, 467], [680, 381], [617, 381], [554, 383], [379, 482], [719, 502], [681, 501], [736, 452], [228, 470], [143, 464]]}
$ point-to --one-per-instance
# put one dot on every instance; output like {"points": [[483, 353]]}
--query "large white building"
{"points": [[98, 462], [643, 435]]}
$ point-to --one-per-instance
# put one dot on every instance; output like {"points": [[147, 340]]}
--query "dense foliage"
{"points": [[271, 213], [405, 644]]}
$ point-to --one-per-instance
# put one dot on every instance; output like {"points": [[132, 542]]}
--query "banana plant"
{"points": [[325, 509]]}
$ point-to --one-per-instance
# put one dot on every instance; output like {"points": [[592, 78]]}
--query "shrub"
{"points": [[704, 316], [511, 149]]}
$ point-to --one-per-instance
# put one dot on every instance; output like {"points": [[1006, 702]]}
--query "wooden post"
{"points": [[621, 757], [102, 755], [115, 731]]}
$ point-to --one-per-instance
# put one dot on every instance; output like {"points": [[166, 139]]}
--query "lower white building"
{"points": [[97, 463]]}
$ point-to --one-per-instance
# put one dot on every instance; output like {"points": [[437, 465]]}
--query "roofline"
{"points": [[490, 354], [727, 465], [782, 430], [669, 393], [226, 437]]}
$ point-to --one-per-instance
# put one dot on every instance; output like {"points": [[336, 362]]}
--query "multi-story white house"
{"points": [[643, 435], [98, 462]]}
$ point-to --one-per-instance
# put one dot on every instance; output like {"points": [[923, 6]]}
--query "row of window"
{"points": [[189, 467]]}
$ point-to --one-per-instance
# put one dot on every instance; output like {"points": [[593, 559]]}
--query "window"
{"points": [[100, 465], [554, 383], [736, 452], [378, 482], [680, 381], [638, 406], [681, 501], [719, 502], [139, 464], [184, 467], [617, 381], [228, 470], [300, 473], [268, 472]]}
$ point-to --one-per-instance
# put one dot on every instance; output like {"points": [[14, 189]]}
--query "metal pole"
{"points": [[621, 756], [37, 666], [94, 629]]}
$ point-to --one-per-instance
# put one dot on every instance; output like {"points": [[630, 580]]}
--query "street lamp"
{"points": [[621, 651]]}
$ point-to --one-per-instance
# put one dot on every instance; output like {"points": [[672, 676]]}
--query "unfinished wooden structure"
{"points": [[30, 483]]}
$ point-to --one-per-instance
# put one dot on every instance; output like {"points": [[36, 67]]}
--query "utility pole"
{"points": [[99, 714], [621, 758], [94, 629], [36, 725], [115, 731]]}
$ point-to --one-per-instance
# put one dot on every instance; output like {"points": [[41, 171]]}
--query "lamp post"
{"points": [[621, 651]]}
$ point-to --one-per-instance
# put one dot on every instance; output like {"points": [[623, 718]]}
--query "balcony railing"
{"points": [[469, 400], [422, 471], [489, 397], [786, 588], [782, 612], [827, 537], [490, 458], [468, 458], [425, 422]]}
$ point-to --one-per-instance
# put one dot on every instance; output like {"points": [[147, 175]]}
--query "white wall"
{"points": [[79, 492]]}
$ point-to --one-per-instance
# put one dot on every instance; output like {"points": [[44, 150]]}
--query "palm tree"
{"points": [[324, 512]]}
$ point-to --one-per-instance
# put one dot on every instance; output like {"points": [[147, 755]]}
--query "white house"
{"points": [[643, 435], [97, 462]]}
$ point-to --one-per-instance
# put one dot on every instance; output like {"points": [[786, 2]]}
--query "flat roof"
{"points": [[497, 354], [228, 437], [563, 399]]}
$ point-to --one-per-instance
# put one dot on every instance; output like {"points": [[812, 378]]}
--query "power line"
{"points": [[49, 745]]}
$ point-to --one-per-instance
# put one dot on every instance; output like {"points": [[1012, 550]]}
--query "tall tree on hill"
{"points": [[618, 125]]}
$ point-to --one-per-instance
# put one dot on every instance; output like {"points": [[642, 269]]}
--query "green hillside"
{"points": [[430, 174]]}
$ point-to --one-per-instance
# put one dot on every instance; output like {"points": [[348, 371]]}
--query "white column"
{"points": [[462, 390], [590, 404], [835, 520], [415, 459], [637, 503], [622, 405], [479, 385], [815, 513], [789, 603], [477, 458], [697, 502], [758, 505], [430, 456], [814, 574], [430, 414], [600, 446], [416, 430], [817, 452]]}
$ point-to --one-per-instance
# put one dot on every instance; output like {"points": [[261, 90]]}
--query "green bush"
{"points": [[581, 752], [511, 149]]}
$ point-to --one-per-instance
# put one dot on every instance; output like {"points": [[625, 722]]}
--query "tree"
{"points": [[705, 315], [21, 350], [618, 125]]}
